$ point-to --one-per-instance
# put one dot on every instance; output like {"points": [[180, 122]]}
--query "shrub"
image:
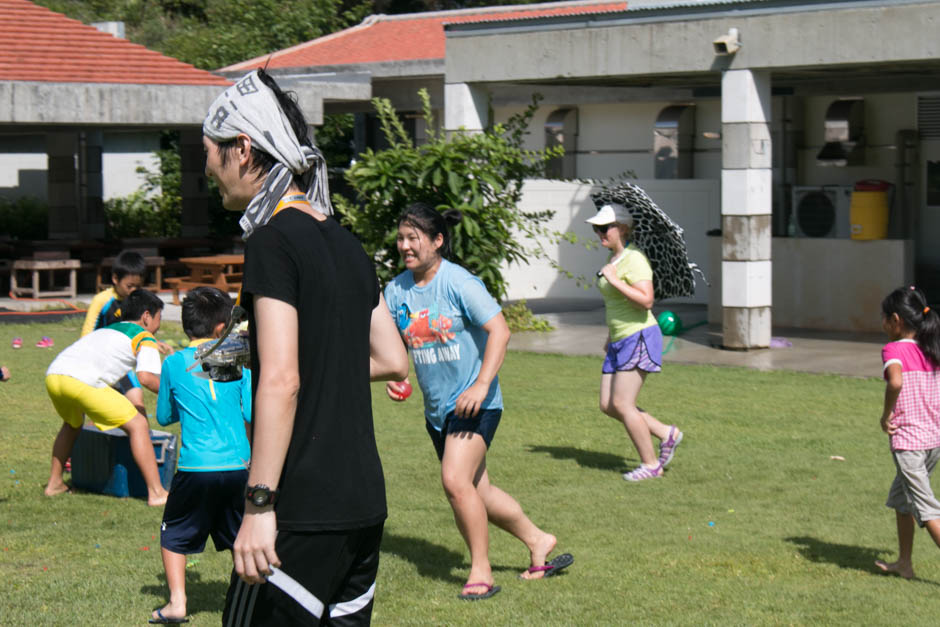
{"points": [[24, 218], [520, 318], [481, 174]]}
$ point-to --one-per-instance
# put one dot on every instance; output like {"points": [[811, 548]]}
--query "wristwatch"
{"points": [[260, 495]]}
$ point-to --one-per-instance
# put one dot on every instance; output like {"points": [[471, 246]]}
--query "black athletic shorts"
{"points": [[335, 571], [127, 383], [201, 504]]}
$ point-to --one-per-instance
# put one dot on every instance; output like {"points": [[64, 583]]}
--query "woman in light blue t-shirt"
{"points": [[458, 338]]}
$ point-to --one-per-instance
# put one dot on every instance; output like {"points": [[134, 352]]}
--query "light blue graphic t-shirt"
{"points": [[442, 323]]}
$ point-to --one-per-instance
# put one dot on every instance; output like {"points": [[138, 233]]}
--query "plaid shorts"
{"points": [[911, 492]]}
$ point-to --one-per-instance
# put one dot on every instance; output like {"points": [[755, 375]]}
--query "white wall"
{"points": [[694, 205], [123, 153], [885, 115], [24, 165], [617, 137], [707, 156], [831, 284]]}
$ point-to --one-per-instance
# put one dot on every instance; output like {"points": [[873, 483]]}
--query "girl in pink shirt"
{"points": [[911, 416]]}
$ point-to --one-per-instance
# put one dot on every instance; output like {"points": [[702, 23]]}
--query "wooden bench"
{"points": [[50, 265], [221, 271], [183, 283]]}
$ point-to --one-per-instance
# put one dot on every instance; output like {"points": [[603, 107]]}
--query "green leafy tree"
{"points": [[215, 33], [24, 218], [155, 210], [481, 174]]}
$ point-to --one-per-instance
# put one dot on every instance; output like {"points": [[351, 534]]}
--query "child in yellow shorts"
{"points": [[79, 383], [127, 275]]}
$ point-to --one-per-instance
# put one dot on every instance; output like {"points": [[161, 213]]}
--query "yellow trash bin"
{"points": [[868, 211]]}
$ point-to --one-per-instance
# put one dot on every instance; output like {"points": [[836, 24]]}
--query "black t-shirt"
{"points": [[332, 477]]}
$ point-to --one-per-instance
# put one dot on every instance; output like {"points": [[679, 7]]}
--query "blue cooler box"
{"points": [[102, 462]]}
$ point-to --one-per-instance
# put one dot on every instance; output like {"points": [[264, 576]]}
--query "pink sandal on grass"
{"points": [[45, 342], [17, 342], [552, 568], [474, 596]]}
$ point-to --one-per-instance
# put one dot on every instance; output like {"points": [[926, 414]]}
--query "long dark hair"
{"points": [[431, 222], [910, 304]]}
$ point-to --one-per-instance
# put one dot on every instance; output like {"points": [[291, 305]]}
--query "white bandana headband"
{"points": [[250, 107]]}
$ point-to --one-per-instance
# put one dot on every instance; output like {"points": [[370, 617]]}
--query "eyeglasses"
{"points": [[602, 228]]}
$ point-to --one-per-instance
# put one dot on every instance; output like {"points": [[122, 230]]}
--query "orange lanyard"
{"points": [[293, 199], [284, 202]]}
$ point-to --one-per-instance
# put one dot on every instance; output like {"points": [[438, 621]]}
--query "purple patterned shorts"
{"points": [[643, 350]]}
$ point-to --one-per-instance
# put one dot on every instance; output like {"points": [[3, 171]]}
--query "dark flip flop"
{"points": [[468, 596], [552, 568], [163, 620]]}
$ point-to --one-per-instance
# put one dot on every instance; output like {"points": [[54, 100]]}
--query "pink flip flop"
{"points": [[17, 342], [470, 596], [552, 568]]}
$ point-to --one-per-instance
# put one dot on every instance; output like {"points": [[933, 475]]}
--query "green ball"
{"points": [[669, 323]]}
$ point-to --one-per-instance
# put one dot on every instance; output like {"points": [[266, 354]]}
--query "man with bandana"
{"points": [[308, 547]]}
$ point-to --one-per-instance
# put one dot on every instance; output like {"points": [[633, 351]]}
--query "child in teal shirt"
{"points": [[207, 496]]}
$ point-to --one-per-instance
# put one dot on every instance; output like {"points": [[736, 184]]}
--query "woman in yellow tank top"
{"points": [[634, 342]]}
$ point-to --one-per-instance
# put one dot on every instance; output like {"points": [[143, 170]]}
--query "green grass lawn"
{"points": [[752, 524]]}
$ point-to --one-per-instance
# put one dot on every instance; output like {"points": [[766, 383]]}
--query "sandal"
{"points": [[641, 473], [668, 448], [552, 568], [473, 596]]}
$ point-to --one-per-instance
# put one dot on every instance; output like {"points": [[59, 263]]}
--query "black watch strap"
{"points": [[260, 495]]}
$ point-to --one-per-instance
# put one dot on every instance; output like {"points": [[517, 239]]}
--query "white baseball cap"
{"points": [[610, 213]]}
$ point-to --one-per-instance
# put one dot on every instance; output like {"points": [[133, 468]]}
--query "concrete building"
{"points": [[752, 119], [81, 108]]}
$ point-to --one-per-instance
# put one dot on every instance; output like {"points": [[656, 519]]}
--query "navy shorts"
{"points": [[127, 383], [484, 423], [201, 504], [335, 574]]}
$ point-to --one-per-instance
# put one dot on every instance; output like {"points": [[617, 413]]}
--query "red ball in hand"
{"points": [[398, 390]]}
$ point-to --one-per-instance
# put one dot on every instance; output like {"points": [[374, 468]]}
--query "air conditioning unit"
{"points": [[822, 211]]}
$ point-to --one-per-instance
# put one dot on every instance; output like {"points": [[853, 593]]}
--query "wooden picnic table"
{"points": [[221, 271], [34, 267]]}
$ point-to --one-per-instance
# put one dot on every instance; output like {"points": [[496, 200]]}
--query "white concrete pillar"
{"points": [[194, 221], [91, 184], [64, 203], [746, 208], [465, 106]]}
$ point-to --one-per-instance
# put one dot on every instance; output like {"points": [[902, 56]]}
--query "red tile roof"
{"points": [[37, 44], [410, 37]]}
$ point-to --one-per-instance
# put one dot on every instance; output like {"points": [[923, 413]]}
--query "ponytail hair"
{"points": [[910, 304], [431, 222]]}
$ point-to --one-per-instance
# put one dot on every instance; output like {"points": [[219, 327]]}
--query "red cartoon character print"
{"points": [[424, 327]]}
